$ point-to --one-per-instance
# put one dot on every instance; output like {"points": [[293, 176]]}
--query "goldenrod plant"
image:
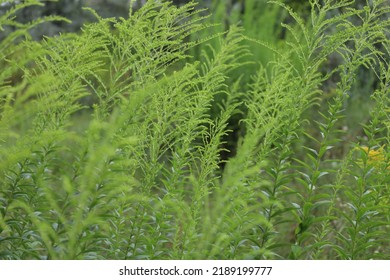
{"points": [[164, 135]]}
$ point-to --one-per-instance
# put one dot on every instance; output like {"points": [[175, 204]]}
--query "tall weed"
{"points": [[158, 137]]}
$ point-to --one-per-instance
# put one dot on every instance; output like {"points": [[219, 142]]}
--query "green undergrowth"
{"points": [[168, 136]]}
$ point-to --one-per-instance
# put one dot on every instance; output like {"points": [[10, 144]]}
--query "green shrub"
{"points": [[113, 140]]}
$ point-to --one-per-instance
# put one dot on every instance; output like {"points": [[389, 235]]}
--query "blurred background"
{"points": [[72, 9]]}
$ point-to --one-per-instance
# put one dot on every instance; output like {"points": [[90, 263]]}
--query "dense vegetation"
{"points": [[256, 133]]}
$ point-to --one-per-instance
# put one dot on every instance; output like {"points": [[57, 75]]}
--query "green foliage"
{"points": [[114, 141]]}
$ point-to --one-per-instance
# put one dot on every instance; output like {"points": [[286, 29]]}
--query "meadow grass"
{"points": [[174, 134]]}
